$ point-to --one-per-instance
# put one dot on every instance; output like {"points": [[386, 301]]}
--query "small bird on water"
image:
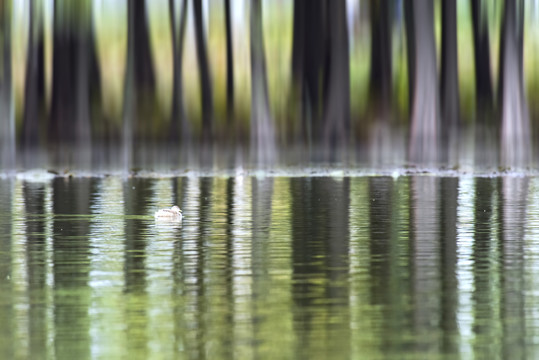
{"points": [[172, 214]]}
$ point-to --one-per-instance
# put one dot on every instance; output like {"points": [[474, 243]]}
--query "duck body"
{"points": [[172, 214]]}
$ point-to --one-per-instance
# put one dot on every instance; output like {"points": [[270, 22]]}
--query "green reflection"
{"points": [[36, 257], [71, 259], [307, 267], [7, 293], [320, 240]]}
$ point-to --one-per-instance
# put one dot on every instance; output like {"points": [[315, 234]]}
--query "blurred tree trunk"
{"points": [[130, 92], [82, 80], [73, 51], [7, 115], [380, 82], [298, 54], [309, 65], [485, 124], [298, 42], [205, 80], [410, 51], [62, 117], [94, 83], [450, 102], [34, 84], [229, 64], [515, 121], [139, 82], [483, 78], [424, 131], [262, 127], [320, 71], [144, 77], [179, 127], [315, 68], [337, 105]]}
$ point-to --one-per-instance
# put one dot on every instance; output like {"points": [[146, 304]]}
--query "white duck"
{"points": [[172, 214]]}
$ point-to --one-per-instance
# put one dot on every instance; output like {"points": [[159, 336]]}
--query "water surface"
{"points": [[270, 267]]}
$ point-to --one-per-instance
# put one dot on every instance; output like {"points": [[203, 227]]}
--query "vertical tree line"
{"points": [[320, 79], [321, 71], [74, 58]]}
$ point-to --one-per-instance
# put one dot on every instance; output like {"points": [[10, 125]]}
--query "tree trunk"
{"points": [[298, 44], [309, 57], [205, 81], [450, 103], [62, 117], [7, 115], [483, 78], [515, 122], [82, 113], [34, 84], [424, 131], [297, 128], [179, 127], [337, 109], [229, 64], [410, 51], [139, 83], [485, 124], [101, 129], [70, 113], [144, 76], [262, 127], [315, 68], [130, 93], [380, 83]]}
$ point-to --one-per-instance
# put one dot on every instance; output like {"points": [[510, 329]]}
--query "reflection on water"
{"points": [[301, 267]]}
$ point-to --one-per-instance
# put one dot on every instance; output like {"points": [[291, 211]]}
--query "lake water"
{"points": [[270, 267]]}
